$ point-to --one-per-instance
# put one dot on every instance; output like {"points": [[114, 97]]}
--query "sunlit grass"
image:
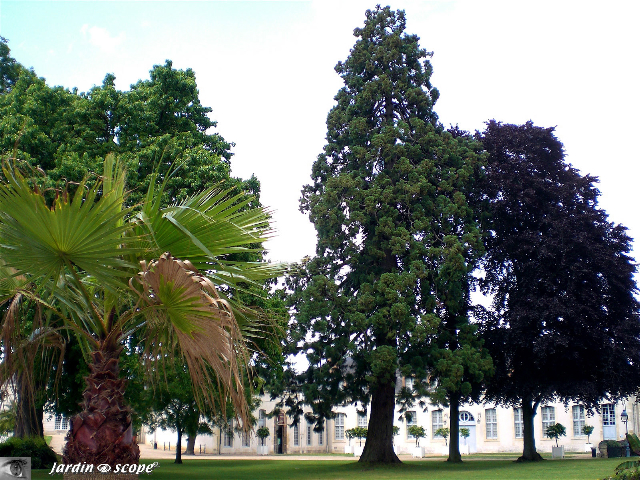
{"points": [[569, 469]]}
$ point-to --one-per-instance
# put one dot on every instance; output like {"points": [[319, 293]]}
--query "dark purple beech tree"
{"points": [[565, 322], [397, 236]]}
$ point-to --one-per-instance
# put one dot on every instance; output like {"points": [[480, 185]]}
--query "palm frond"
{"points": [[207, 228], [79, 233], [185, 313]]}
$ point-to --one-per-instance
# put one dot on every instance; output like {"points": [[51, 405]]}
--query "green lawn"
{"points": [[585, 468]]}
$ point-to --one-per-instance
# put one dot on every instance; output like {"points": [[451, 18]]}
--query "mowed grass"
{"points": [[584, 468]]}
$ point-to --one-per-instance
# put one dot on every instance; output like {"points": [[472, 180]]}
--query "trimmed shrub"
{"points": [[42, 456]]}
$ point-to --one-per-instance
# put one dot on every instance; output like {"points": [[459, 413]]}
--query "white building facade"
{"points": [[492, 428]]}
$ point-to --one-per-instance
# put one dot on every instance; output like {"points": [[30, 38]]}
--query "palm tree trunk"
{"points": [[102, 432]]}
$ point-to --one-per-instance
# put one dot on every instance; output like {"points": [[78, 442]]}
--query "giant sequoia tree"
{"points": [[564, 322], [396, 234]]}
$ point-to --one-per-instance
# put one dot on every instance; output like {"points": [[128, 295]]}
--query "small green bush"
{"points": [[626, 471], [555, 431], [263, 432], [42, 456]]}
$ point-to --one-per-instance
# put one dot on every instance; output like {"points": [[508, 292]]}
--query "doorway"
{"points": [[467, 421]]}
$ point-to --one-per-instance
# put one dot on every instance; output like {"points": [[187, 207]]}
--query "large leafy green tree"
{"points": [[396, 235], [564, 322], [107, 271], [160, 122]]}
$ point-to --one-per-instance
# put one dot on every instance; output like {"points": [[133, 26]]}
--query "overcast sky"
{"points": [[267, 71]]}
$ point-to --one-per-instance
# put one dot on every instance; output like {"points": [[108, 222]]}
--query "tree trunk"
{"points": [[529, 453], [102, 432], [378, 447], [179, 445], [191, 445], [454, 435], [28, 413]]}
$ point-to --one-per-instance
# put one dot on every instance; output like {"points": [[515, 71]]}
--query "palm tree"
{"points": [[105, 272]]}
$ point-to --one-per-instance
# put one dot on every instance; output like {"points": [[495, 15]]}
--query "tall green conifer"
{"points": [[396, 235]]}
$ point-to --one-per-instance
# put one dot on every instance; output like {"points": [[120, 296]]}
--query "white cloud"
{"points": [[101, 38]]}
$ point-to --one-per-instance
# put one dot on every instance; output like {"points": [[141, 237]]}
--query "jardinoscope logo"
{"points": [[122, 468]]}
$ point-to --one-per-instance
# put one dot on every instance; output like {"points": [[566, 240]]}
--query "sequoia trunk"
{"points": [[529, 453], [102, 432], [454, 436], [378, 447]]}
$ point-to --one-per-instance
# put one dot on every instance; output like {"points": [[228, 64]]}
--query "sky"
{"points": [[267, 71]]}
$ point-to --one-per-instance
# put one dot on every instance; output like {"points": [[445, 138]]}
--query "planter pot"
{"points": [[417, 452], [348, 449], [357, 450], [557, 452], [263, 449], [588, 447]]}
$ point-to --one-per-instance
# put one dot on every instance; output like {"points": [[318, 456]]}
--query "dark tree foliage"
{"points": [[564, 322], [396, 234]]}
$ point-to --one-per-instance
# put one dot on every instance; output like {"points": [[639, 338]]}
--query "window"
{"points": [[412, 419], [262, 418], [491, 419], [608, 414], [228, 436], [308, 434], [578, 420], [245, 439], [465, 417], [339, 430], [408, 382], [321, 437], [518, 422], [362, 420], [548, 418], [296, 436], [61, 423], [436, 420]]}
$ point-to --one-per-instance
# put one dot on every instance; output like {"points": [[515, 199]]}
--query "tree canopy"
{"points": [[564, 321], [156, 126], [396, 234]]}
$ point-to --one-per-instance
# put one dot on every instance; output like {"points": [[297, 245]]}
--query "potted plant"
{"points": [[444, 433], [464, 433], [556, 431], [263, 433], [349, 434], [359, 433], [588, 430], [417, 432]]}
